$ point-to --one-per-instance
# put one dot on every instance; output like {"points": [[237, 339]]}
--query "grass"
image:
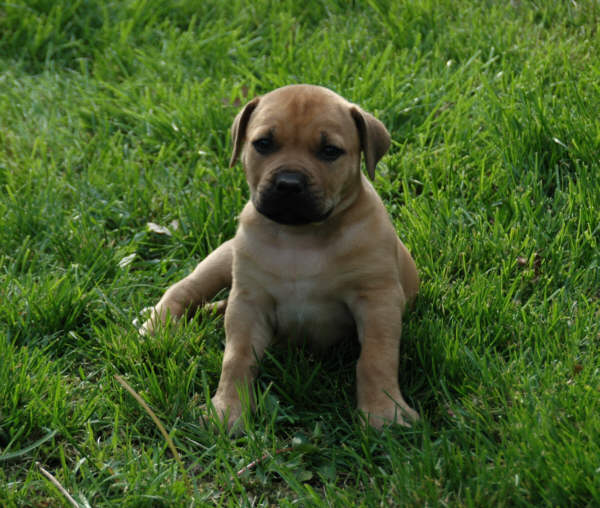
{"points": [[116, 114]]}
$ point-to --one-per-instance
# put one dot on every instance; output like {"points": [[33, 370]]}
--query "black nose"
{"points": [[290, 182]]}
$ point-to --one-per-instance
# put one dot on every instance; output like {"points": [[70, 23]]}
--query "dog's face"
{"points": [[300, 146]]}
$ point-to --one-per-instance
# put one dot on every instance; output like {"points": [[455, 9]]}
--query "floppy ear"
{"points": [[374, 138], [238, 129]]}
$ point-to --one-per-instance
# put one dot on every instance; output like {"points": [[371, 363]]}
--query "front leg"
{"points": [[248, 332], [378, 316]]}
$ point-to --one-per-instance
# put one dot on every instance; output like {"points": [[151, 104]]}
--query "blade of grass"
{"points": [[160, 426]]}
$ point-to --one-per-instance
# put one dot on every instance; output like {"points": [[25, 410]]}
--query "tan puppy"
{"points": [[315, 256]]}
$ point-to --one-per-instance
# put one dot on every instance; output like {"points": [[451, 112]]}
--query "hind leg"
{"points": [[211, 275], [218, 308]]}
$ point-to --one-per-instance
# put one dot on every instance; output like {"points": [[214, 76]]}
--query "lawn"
{"points": [[114, 119]]}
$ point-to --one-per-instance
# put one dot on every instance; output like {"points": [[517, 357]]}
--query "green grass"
{"points": [[116, 114]]}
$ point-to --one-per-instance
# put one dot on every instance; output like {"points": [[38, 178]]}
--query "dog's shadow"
{"points": [[305, 383], [309, 382]]}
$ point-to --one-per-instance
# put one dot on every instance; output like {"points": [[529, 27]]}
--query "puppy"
{"points": [[315, 256]]}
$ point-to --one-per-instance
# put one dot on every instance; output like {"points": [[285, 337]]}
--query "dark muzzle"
{"points": [[288, 199]]}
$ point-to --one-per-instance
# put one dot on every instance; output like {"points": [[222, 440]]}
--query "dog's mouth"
{"points": [[292, 217], [291, 212], [288, 200]]}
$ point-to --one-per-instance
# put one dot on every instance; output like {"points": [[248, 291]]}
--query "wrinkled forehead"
{"points": [[299, 117]]}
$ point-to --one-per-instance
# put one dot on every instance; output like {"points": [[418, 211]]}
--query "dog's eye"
{"points": [[330, 153], [264, 146]]}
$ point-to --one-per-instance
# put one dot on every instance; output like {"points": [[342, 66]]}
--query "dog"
{"points": [[315, 257]]}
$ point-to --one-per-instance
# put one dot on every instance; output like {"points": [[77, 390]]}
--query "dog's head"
{"points": [[301, 147]]}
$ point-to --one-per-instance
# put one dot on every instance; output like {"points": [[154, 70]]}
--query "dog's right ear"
{"points": [[238, 129]]}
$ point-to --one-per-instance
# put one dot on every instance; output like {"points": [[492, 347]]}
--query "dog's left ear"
{"points": [[374, 138], [238, 129]]}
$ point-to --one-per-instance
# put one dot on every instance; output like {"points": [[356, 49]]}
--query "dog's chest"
{"points": [[306, 309], [302, 280]]}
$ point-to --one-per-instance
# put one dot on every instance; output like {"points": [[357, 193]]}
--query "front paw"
{"points": [[388, 412], [226, 411]]}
